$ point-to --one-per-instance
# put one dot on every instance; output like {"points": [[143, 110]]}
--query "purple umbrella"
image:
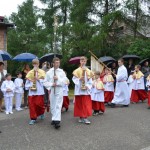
{"points": [[75, 60]]}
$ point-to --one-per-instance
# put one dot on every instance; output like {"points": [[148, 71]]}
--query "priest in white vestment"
{"points": [[121, 95]]}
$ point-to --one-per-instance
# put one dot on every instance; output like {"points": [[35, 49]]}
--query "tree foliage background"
{"points": [[83, 25]]}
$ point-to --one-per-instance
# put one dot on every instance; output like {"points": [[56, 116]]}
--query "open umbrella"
{"points": [[25, 57], [75, 60], [143, 61], [106, 59], [49, 57], [126, 57], [4, 55]]}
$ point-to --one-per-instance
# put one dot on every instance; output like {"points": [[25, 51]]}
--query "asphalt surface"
{"points": [[118, 129]]}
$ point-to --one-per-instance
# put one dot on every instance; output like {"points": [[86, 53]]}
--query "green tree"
{"points": [[140, 47], [27, 35]]}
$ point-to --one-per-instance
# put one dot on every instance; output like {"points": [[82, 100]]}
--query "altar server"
{"points": [[97, 95], [34, 83], [108, 86], [55, 81], [82, 78], [138, 91]]}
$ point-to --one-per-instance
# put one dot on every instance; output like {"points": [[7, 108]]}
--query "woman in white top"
{"points": [[2, 78]]}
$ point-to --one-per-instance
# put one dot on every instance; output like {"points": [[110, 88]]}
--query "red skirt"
{"points": [[36, 106], [66, 102], [149, 98], [138, 95], [83, 106], [99, 106], [108, 96]]}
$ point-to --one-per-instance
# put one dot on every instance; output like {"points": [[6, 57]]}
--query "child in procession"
{"points": [[97, 95], [19, 91], [138, 91], [130, 82], [82, 78], [148, 86], [34, 83], [108, 85], [8, 88], [66, 100]]}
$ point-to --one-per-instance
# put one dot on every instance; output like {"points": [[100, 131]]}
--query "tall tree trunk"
{"points": [[106, 8], [136, 17], [64, 24]]}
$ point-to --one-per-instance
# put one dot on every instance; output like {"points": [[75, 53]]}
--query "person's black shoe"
{"points": [[52, 123], [57, 126], [66, 109], [125, 106], [112, 105]]}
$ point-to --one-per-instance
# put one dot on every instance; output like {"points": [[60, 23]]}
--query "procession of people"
{"points": [[92, 94]]}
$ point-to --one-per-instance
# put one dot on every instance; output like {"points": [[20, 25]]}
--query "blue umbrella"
{"points": [[4, 55], [25, 57]]}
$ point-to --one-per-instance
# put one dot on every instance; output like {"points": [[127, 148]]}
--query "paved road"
{"points": [[117, 129]]}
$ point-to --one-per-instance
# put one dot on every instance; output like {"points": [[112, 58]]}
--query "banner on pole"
{"points": [[95, 65]]}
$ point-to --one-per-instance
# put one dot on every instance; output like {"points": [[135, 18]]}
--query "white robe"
{"points": [[148, 85], [138, 84], [130, 84], [78, 90], [97, 95], [18, 85], [65, 90], [56, 94], [8, 85], [109, 86], [39, 85], [8, 96], [18, 92], [121, 95]]}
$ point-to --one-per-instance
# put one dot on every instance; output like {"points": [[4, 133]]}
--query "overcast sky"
{"points": [[9, 6]]}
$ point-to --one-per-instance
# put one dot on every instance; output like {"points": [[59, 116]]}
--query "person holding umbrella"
{"points": [[130, 66], [2, 78]]}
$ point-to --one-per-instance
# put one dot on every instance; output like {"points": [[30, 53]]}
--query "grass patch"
{"points": [[71, 93]]}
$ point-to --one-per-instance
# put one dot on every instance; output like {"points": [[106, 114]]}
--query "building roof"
{"points": [[4, 24], [7, 25]]}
